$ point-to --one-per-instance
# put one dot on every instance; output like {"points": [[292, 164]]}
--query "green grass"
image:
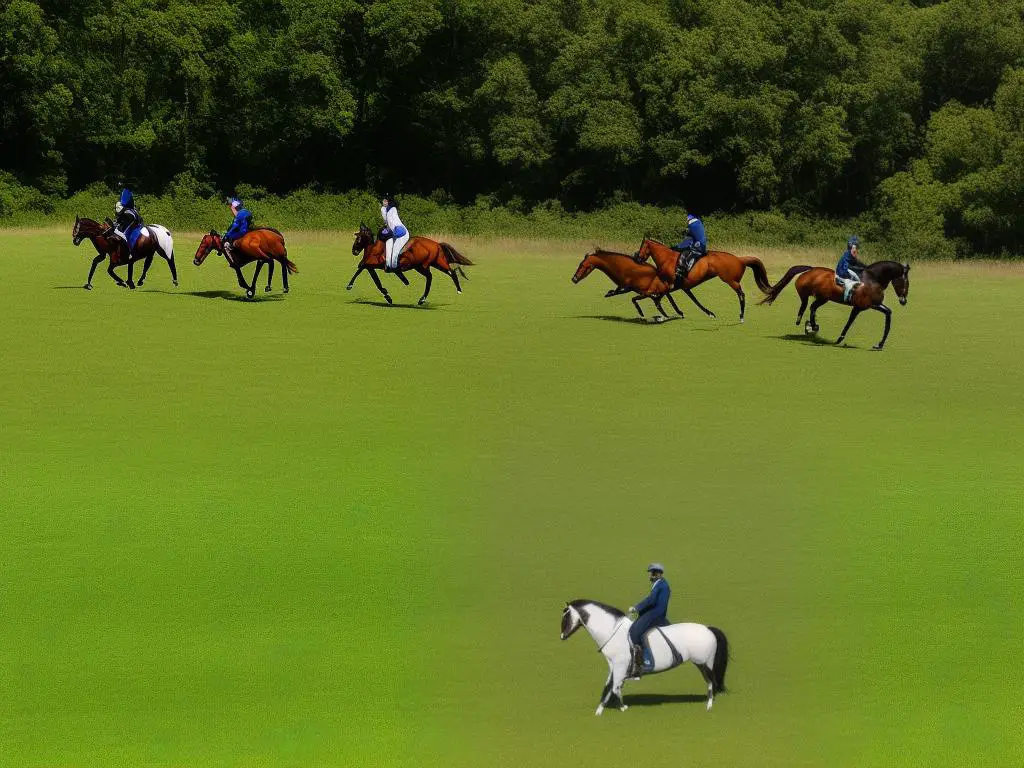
{"points": [[319, 531]]}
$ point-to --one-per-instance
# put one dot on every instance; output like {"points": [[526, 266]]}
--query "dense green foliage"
{"points": [[912, 112]]}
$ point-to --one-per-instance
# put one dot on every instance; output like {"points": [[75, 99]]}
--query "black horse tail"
{"points": [[454, 256], [721, 660], [775, 290]]}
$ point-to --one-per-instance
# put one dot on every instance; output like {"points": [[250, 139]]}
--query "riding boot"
{"points": [[637, 661]]}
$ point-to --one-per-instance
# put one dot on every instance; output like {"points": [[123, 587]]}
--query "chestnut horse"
{"points": [[263, 245], [820, 282], [154, 239], [629, 276], [727, 267], [421, 253]]}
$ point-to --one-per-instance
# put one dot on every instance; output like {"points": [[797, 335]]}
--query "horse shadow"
{"points": [[226, 295], [622, 319], [657, 699], [811, 339], [377, 303]]}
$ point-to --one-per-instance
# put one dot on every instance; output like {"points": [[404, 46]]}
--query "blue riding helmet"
{"points": [[234, 202], [853, 241], [127, 198]]}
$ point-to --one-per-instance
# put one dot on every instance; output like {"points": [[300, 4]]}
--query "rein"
{"points": [[612, 635]]}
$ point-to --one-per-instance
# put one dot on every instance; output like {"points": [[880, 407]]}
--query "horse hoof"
{"points": [[708, 708], [598, 711], [250, 294], [87, 286], [131, 287], [421, 302], [742, 321], [175, 282], [387, 298], [659, 320], [348, 287], [877, 348], [285, 290], [458, 292], [624, 707], [267, 289]]}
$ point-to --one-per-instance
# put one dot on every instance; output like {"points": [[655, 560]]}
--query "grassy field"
{"points": [[315, 530]]}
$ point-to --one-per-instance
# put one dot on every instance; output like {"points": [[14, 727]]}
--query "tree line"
{"points": [[908, 114]]}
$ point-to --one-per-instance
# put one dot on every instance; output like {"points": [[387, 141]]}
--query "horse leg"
{"points": [[352, 282], [113, 275], [803, 307], [174, 269], [606, 692], [709, 681], [95, 263], [636, 303], [812, 321], [145, 269], [741, 296], [700, 306], [657, 303], [425, 271], [270, 276], [241, 281], [455, 278], [853, 316], [131, 266], [376, 281], [673, 303], [401, 276], [256, 276], [284, 273], [888, 319], [617, 292]]}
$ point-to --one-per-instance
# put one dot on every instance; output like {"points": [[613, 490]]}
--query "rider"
{"points": [[849, 267], [652, 612], [240, 225], [693, 246], [127, 221], [399, 234]]}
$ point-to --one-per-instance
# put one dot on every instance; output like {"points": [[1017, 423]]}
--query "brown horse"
{"points": [[820, 282], [154, 239], [727, 267], [629, 276], [263, 245], [421, 253]]}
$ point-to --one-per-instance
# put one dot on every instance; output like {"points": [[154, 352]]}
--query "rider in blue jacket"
{"points": [[241, 224], [693, 246], [653, 612], [127, 220], [849, 267]]}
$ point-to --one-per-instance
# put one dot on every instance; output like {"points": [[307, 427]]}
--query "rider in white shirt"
{"points": [[399, 234]]}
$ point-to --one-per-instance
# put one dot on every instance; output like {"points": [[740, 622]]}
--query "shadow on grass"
{"points": [[657, 699], [225, 295], [813, 339], [622, 319], [376, 303]]}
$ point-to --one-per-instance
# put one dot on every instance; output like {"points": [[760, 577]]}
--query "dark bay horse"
{"points": [[629, 276], [420, 254], [727, 267], [820, 282], [154, 239], [263, 245]]}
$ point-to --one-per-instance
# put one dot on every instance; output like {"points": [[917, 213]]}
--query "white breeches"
{"points": [[393, 249]]}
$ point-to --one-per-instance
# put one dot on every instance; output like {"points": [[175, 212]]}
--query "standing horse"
{"points": [[420, 254], [820, 282], [263, 245], [706, 647], [154, 239], [727, 267], [629, 276]]}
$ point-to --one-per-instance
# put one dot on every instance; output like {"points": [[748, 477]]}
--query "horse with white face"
{"points": [[706, 647]]}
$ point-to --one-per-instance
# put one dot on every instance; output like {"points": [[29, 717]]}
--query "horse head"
{"points": [[571, 621], [585, 268], [76, 233], [210, 242], [901, 284], [364, 238]]}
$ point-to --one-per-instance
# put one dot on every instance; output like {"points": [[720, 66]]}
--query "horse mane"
{"points": [[577, 604], [602, 252]]}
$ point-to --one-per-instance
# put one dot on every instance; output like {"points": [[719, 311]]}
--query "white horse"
{"points": [[706, 647]]}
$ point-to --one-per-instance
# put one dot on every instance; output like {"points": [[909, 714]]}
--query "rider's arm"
{"points": [[647, 602]]}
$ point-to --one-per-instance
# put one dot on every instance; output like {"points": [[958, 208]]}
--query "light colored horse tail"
{"points": [[721, 660], [775, 290]]}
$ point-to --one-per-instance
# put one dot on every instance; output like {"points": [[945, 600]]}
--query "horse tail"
{"points": [[760, 273], [454, 256], [289, 264], [721, 660], [774, 291]]}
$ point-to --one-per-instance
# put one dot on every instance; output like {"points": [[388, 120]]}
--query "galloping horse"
{"points": [[420, 254], [725, 266], [820, 282], [153, 239], [706, 647], [629, 276], [263, 245]]}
